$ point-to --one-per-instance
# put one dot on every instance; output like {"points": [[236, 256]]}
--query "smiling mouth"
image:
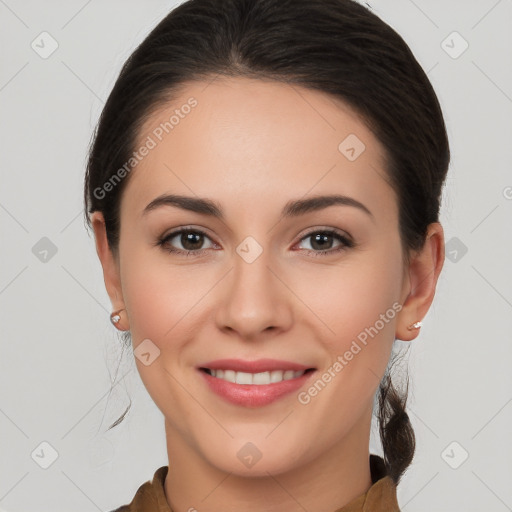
{"points": [[262, 379]]}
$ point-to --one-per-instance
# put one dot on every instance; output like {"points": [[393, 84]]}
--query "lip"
{"points": [[254, 395], [258, 366]]}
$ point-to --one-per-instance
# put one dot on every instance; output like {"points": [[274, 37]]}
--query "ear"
{"points": [[110, 264], [420, 283]]}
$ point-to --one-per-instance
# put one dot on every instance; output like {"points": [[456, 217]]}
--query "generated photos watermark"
{"points": [[151, 142], [305, 397]]}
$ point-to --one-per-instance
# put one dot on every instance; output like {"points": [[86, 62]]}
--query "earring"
{"points": [[415, 325], [115, 317]]}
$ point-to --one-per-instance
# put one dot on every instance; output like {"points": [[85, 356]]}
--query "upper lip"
{"points": [[258, 366]]}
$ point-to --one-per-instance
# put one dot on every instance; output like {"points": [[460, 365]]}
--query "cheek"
{"points": [[357, 307], [353, 297], [356, 310], [165, 301]]}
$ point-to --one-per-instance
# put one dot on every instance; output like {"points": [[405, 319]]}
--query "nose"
{"points": [[254, 300]]}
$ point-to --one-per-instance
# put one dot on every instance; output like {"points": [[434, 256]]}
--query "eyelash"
{"points": [[346, 242]]}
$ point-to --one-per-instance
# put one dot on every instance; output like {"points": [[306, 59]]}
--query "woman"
{"points": [[264, 187]]}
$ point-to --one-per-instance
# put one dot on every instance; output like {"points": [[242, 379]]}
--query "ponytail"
{"points": [[396, 431]]}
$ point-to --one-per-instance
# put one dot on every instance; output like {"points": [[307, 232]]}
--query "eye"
{"points": [[191, 241], [322, 240]]}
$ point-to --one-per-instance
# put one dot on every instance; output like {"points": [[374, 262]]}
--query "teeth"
{"points": [[256, 378]]}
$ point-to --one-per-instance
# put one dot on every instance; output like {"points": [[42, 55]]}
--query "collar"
{"points": [[380, 497]]}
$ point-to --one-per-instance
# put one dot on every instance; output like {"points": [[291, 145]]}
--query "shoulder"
{"points": [[150, 496], [382, 494]]}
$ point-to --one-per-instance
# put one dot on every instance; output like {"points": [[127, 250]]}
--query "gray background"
{"points": [[59, 353]]}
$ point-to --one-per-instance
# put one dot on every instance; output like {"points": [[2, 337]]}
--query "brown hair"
{"points": [[338, 47]]}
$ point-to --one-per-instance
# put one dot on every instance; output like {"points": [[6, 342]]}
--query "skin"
{"points": [[252, 146]]}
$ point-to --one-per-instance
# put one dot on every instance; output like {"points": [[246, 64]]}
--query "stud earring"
{"points": [[115, 317], [415, 325]]}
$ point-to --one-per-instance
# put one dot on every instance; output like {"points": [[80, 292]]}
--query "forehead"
{"points": [[239, 139]]}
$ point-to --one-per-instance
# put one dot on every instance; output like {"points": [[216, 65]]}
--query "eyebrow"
{"points": [[291, 209]]}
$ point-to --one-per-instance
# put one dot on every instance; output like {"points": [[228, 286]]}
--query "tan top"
{"points": [[380, 497]]}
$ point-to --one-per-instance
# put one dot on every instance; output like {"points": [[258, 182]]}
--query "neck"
{"points": [[324, 484]]}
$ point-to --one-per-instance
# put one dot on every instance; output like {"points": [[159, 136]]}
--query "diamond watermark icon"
{"points": [[44, 250], [44, 45], [351, 147], [454, 455], [146, 352], [249, 250], [454, 45], [249, 454], [44, 455], [455, 249]]}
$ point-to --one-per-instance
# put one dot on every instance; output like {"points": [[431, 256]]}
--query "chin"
{"points": [[253, 458]]}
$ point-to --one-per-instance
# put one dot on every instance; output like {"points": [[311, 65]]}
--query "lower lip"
{"points": [[254, 395]]}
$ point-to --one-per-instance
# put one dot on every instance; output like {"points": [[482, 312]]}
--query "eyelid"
{"points": [[204, 231], [326, 229]]}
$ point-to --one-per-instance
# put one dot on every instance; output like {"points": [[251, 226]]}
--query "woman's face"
{"points": [[256, 285]]}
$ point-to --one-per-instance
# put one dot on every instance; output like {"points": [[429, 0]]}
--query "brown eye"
{"points": [[321, 242], [189, 241]]}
